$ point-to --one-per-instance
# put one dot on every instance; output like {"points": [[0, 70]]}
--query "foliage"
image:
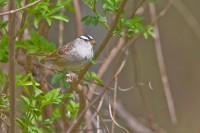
{"points": [[128, 27], [33, 104], [35, 44]]}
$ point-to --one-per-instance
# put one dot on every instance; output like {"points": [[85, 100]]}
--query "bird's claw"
{"points": [[70, 77]]}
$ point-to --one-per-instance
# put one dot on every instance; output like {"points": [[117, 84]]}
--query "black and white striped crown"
{"points": [[86, 37]]}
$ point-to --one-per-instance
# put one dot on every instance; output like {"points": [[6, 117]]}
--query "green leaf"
{"points": [[102, 19], [61, 17], [94, 20], [89, 3], [36, 43], [37, 92], [20, 122], [69, 95], [52, 97], [55, 9], [111, 5], [57, 77], [93, 76], [26, 100], [3, 3], [4, 49]]}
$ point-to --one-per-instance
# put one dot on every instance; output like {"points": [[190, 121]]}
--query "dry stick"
{"points": [[162, 68], [60, 31], [11, 40], [189, 17], [131, 121], [92, 117], [110, 111], [112, 115], [78, 24], [104, 44], [82, 102], [11, 11]]}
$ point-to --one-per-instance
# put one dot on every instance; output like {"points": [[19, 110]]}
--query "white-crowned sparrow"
{"points": [[71, 56]]}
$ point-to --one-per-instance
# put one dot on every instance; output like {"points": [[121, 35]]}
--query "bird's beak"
{"points": [[92, 42]]}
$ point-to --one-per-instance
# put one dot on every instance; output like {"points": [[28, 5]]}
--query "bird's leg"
{"points": [[71, 76]]}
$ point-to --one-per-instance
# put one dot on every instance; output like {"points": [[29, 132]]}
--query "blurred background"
{"points": [[179, 31]]}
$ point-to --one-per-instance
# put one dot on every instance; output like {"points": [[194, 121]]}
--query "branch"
{"points": [[162, 68], [131, 121], [79, 28], [11, 40], [19, 9]]}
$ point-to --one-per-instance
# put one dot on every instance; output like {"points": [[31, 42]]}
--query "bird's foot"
{"points": [[70, 77]]}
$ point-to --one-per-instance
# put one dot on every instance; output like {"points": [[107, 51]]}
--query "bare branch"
{"points": [[78, 26], [110, 111], [162, 68], [60, 31], [131, 121], [19, 9], [11, 41]]}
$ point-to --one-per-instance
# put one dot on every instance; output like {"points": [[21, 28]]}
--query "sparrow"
{"points": [[71, 56]]}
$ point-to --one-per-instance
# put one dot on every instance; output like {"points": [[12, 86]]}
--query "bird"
{"points": [[71, 56]]}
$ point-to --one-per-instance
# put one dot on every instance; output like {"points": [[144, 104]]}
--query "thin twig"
{"points": [[110, 111], [11, 41], [114, 106], [162, 68], [91, 118], [19, 9], [82, 102], [60, 31], [131, 121]]}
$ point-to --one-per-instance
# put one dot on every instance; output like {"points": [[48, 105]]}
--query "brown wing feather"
{"points": [[61, 51]]}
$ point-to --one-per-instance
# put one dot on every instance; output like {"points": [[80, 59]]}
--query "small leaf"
{"points": [[69, 95], [61, 17], [52, 97], [38, 92], [57, 77], [102, 19], [26, 100]]}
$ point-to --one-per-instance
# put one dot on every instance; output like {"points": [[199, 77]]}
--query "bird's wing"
{"points": [[64, 49], [59, 54]]}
